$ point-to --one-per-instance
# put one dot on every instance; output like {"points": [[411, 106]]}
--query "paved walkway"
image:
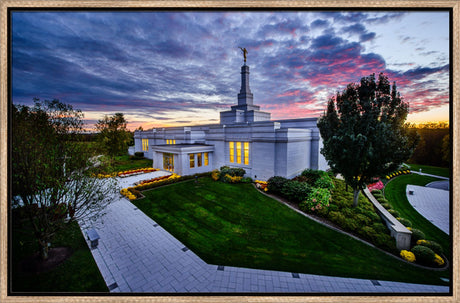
{"points": [[137, 255], [432, 201]]}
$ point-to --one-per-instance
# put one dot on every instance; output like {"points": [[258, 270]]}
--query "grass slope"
{"points": [[79, 273], [395, 193], [235, 225], [432, 170]]}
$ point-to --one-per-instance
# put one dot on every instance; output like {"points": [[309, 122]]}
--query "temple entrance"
{"points": [[168, 162]]}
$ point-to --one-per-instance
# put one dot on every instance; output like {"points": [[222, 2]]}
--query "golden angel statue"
{"points": [[245, 51]]}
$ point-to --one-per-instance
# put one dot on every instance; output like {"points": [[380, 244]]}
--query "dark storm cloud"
{"points": [[319, 23]]}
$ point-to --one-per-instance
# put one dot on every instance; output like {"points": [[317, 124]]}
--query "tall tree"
{"points": [[51, 179], [363, 132], [113, 134]]}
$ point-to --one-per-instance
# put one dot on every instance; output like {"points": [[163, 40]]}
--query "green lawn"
{"points": [[79, 273], [433, 170], [122, 163], [235, 225], [395, 193]]}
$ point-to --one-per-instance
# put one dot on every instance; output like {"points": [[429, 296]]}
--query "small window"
{"points": [[238, 152], [192, 160], [206, 159], [246, 153], [232, 151], [145, 144], [198, 159]]}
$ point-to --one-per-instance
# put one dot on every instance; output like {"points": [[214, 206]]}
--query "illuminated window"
{"points": [[192, 160], [246, 153], [206, 159], [174, 141], [145, 144], [238, 152], [170, 141], [168, 161], [198, 159], [232, 151], [167, 141]]}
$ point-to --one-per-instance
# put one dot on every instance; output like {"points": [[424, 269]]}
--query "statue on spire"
{"points": [[245, 51]]}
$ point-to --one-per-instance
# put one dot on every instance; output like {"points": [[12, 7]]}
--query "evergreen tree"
{"points": [[364, 134]]}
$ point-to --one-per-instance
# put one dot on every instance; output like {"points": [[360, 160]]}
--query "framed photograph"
{"points": [[229, 151]]}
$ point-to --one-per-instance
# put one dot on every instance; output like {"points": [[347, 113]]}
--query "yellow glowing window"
{"points": [[238, 152], [232, 151], [206, 159], [199, 160], [145, 144], [246, 153], [167, 141], [192, 160], [174, 141]]}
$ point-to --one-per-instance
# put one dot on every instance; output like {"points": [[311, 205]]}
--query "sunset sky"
{"points": [[182, 68]]}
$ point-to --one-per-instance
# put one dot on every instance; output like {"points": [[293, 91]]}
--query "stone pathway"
{"points": [[432, 203], [136, 255]]}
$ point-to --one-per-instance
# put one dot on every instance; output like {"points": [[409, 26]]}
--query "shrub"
{"points": [[215, 175], [393, 212], [139, 154], [378, 196], [407, 255], [380, 228], [234, 172], [337, 217], [362, 219], [276, 183], [382, 200], [434, 246], [295, 191], [416, 235], [404, 222], [423, 254], [325, 182], [300, 179], [350, 224], [372, 215], [318, 198], [438, 260], [386, 205], [386, 242], [312, 175], [246, 180], [231, 179], [376, 191], [368, 233]]}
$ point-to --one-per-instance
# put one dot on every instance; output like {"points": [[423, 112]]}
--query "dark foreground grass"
{"points": [[79, 273], [235, 225], [395, 193], [432, 170]]}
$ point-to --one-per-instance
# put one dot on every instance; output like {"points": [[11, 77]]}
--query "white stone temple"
{"points": [[245, 138]]}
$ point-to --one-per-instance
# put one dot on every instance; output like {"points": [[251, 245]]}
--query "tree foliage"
{"points": [[435, 147], [364, 132], [113, 134], [51, 179]]}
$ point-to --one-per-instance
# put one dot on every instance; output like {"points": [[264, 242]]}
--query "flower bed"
{"points": [[138, 171], [397, 173], [153, 180], [377, 185], [261, 185]]}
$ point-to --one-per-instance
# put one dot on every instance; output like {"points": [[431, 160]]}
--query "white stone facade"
{"points": [[245, 137]]}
